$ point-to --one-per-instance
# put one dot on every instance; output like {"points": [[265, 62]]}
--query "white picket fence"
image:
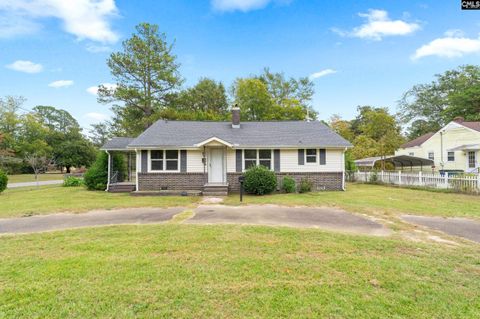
{"points": [[462, 183]]}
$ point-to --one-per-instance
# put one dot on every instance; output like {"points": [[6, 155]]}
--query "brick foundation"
{"points": [[329, 181], [171, 181]]}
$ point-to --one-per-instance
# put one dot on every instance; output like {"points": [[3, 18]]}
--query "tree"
{"points": [[207, 100], [342, 127], [146, 74], [428, 107], [253, 98], [270, 96], [283, 91], [10, 121], [100, 133], [33, 146], [64, 136]]}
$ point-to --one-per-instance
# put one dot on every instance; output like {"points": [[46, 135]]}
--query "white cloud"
{"points": [[243, 5], [96, 117], [25, 66], [61, 84], [319, 74], [94, 89], [378, 26], [98, 48], [453, 45], [86, 19]]}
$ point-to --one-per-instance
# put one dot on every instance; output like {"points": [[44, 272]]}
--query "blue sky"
{"points": [[53, 52]]}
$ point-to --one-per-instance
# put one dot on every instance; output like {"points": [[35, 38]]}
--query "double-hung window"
{"points": [[431, 156], [171, 160], [311, 155], [451, 156], [156, 160], [265, 158], [250, 157], [257, 157], [164, 160]]}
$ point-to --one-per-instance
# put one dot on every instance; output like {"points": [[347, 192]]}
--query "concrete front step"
{"points": [[121, 188], [215, 193]]}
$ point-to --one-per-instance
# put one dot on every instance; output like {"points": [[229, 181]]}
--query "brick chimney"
{"points": [[235, 116], [459, 119]]}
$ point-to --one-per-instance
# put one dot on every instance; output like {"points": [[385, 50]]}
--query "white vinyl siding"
{"points": [[289, 162], [194, 162], [231, 168]]}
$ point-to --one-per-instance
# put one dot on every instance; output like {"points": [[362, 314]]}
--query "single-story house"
{"points": [[210, 156]]}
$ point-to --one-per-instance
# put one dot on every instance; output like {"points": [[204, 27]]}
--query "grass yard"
{"points": [[51, 199], [185, 271], [22, 178], [366, 198]]}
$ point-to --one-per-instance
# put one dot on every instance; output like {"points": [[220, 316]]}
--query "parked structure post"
{"points": [[420, 179], [446, 179], [399, 177]]}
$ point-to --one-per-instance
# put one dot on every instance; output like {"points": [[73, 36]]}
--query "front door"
{"points": [[215, 169]]}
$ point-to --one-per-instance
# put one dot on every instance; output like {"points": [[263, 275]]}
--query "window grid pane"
{"points": [[265, 154], [157, 165], [156, 154], [172, 165], [250, 163], [171, 154], [251, 154], [266, 163], [311, 151], [451, 156]]}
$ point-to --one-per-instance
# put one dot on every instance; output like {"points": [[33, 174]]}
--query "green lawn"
{"points": [[22, 178], [376, 199], [185, 271], [51, 199]]}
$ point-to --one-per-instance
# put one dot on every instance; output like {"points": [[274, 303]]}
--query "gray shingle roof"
{"points": [[117, 143], [280, 134]]}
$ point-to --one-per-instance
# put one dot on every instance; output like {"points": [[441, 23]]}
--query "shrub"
{"points": [[305, 185], [289, 185], [260, 180], [3, 181], [96, 176], [72, 181]]}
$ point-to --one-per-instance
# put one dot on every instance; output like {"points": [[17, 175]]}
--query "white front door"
{"points": [[215, 169]]}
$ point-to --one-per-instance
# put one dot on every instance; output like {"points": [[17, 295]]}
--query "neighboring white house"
{"points": [[456, 147]]}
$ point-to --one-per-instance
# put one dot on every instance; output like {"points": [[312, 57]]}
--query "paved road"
{"points": [[325, 218], [462, 227], [95, 218], [29, 184]]}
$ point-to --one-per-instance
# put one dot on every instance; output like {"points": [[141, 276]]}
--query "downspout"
{"points": [[108, 171], [136, 168], [441, 150], [343, 170]]}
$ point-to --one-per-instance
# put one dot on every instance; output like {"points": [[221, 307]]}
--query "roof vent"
{"points": [[235, 116]]}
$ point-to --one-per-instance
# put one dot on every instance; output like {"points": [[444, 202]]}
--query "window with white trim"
{"points": [[431, 156], [156, 160], [451, 156], [164, 160], [411, 154], [311, 155], [257, 157]]}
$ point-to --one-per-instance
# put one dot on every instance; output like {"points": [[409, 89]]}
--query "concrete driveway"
{"points": [[271, 215], [462, 227], [94, 218]]}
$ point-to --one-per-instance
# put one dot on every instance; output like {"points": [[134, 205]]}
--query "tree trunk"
{"points": [[68, 169]]}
